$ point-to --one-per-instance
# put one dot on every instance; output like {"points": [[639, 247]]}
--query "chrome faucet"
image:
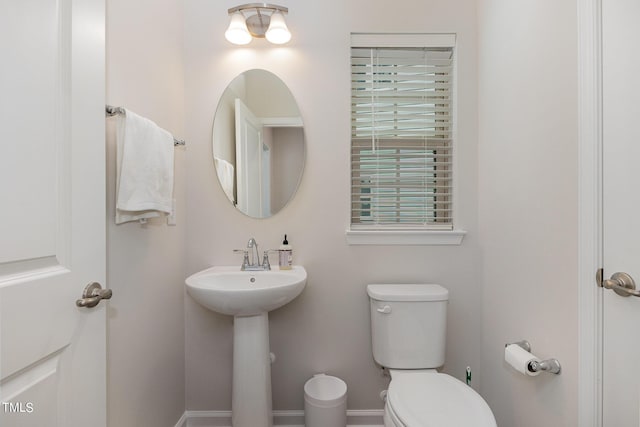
{"points": [[252, 244], [252, 263]]}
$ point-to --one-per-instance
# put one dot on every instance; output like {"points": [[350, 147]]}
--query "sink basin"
{"points": [[228, 290]]}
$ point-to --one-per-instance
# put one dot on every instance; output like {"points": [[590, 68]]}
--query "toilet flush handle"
{"points": [[385, 310]]}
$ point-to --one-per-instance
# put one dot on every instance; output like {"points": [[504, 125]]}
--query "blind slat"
{"points": [[363, 190], [442, 152], [398, 211], [399, 145], [361, 63]]}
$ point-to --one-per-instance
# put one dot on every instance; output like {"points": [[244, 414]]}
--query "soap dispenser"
{"points": [[285, 255]]}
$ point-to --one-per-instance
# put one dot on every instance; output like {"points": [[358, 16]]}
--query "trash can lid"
{"points": [[325, 390]]}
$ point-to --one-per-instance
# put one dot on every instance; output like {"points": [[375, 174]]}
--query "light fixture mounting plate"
{"points": [[258, 24], [258, 6]]}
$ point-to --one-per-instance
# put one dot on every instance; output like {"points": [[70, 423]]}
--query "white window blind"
{"points": [[401, 137]]}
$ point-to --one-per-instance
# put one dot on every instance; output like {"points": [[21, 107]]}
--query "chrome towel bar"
{"points": [[112, 111]]}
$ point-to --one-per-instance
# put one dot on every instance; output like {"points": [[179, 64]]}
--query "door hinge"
{"points": [[600, 277]]}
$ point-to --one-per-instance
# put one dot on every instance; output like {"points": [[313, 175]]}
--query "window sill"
{"points": [[405, 237]]}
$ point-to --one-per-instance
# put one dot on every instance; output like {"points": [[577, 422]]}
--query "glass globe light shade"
{"points": [[238, 33], [278, 33]]}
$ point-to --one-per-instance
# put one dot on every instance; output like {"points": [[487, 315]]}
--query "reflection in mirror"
{"points": [[258, 143]]}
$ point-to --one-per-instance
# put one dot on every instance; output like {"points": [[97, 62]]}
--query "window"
{"points": [[401, 132]]}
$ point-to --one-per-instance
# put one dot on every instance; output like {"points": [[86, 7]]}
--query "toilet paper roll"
{"points": [[519, 358]]}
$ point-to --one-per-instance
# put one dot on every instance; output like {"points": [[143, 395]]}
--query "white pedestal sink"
{"points": [[248, 296]]}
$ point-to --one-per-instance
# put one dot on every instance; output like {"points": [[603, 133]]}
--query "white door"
{"points": [[621, 209], [52, 216], [265, 181], [248, 160]]}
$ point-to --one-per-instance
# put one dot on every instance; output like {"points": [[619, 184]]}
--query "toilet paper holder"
{"points": [[549, 365]]}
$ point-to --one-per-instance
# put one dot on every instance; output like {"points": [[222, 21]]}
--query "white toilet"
{"points": [[408, 326]]}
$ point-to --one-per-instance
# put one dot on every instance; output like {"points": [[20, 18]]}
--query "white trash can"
{"points": [[325, 402]]}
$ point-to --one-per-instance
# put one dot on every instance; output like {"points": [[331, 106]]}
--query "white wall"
{"points": [[528, 204], [327, 328], [145, 264]]}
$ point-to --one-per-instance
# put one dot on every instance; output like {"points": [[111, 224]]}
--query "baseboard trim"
{"points": [[355, 417], [365, 417], [182, 422]]}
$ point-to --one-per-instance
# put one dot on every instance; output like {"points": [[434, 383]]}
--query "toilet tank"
{"points": [[408, 325]]}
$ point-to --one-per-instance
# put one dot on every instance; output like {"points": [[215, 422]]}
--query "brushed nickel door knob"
{"points": [[93, 294]]}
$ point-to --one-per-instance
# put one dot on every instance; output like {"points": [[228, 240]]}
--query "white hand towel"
{"points": [[226, 175], [144, 169]]}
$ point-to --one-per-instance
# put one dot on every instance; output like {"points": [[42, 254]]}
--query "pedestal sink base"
{"points": [[251, 393]]}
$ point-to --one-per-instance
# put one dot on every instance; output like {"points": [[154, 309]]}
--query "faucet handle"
{"points": [[245, 253], [265, 259]]}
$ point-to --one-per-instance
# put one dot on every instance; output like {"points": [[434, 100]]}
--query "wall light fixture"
{"points": [[259, 20]]}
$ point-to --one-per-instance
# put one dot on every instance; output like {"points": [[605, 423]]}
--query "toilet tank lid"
{"points": [[407, 292]]}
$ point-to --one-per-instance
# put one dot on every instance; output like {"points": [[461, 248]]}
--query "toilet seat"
{"points": [[390, 417], [431, 399]]}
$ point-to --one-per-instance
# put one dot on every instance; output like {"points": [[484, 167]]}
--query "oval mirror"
{"points": [[258, 143]]}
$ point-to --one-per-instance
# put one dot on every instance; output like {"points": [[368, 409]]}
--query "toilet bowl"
{"points": [[408, 326]]}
